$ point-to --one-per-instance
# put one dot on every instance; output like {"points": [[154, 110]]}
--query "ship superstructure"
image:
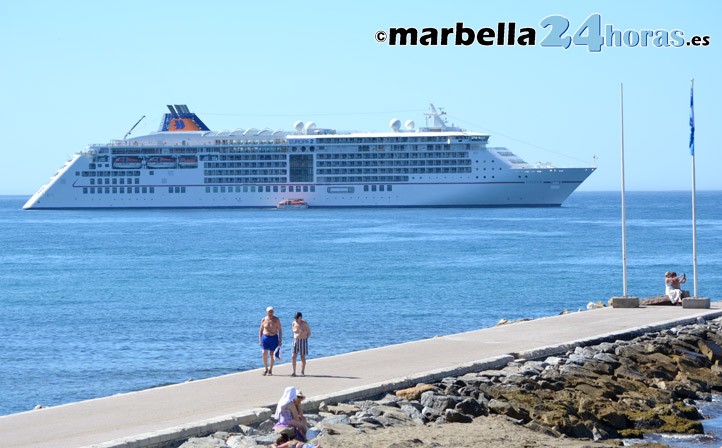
{"points": [[185, 164]]}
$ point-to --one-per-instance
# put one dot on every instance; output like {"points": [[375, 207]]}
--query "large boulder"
{"points": [[472, 407], [454, 416], [435, 404], [241, 442], [382, 409], [343, 409], [502, 407], [413, 413], [711, 350], [203, 442], [414, 393], [334, 420]]}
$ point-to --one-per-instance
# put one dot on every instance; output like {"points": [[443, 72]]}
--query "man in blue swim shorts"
{"points": [[269, 338]]}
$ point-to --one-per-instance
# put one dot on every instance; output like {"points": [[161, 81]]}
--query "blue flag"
{"points": [[691, 120]]}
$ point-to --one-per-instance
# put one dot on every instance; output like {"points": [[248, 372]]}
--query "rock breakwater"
{"points": [[611, 390]]}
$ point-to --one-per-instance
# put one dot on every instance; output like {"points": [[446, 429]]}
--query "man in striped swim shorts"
{"points": [[301, 333]]}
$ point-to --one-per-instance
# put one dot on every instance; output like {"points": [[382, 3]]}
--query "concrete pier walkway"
{"points": [[155, 416]]}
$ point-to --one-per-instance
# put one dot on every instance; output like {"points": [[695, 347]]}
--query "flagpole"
{"points": [[624, 220], [625, 301], [694, 188]]}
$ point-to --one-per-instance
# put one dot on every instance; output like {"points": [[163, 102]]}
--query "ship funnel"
{"points": [[181, 119]]}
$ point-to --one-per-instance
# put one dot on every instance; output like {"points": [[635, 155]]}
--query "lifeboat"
{"points": [[126, 163], [188, 162], [292, 203], [160, 162]]}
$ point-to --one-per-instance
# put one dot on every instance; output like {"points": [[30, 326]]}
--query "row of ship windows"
{"points": [[277, 180], [281, 149], [395, 162], [245, 180], [236, 149], [268, 172], [182, 189], [452, 169], [126, 173], [264, 180], [261, 188], [244, 172], [433, 162], [107, 173], [370, 139], [436, 162], [268, 151], [117, 176], [123, 190], [245, 164], [322, 178], [215, 157], [396, 159], [394, 155], [366, 148], [203, 149], [380, 188], [312, 148], [282, 189], [149, 151], [115, 181], [223, 189], [362, 179], [396, 170]]}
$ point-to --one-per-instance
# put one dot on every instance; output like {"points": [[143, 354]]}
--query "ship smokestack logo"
{"points": [[180, 118]]}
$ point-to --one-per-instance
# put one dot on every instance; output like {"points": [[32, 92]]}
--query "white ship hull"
{"points": [[237, 172], [542, 187]]}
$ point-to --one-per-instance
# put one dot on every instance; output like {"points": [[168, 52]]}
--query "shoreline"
{"points": [[503, 321], [162, 416], [352, 393], [621, 390]]}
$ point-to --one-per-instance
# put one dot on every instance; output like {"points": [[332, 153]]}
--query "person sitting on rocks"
{"points": [[672, 288], [299, 409], [284, 442], [288, 416]]}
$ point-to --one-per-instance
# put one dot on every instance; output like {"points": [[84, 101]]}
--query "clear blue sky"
{"points": [[75, 73]]}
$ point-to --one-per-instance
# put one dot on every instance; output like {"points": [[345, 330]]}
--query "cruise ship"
{"points": [[186, 165]]}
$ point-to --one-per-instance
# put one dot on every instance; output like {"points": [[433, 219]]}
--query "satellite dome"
{"points": [[310, 125], [409, 124], [395, 124], [298, 126]]}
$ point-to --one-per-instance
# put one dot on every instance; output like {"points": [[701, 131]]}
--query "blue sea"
{"points": [[95, 303]]}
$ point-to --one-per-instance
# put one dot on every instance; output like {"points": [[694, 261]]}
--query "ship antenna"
{"points": [[131, 129], [439, 121]]}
